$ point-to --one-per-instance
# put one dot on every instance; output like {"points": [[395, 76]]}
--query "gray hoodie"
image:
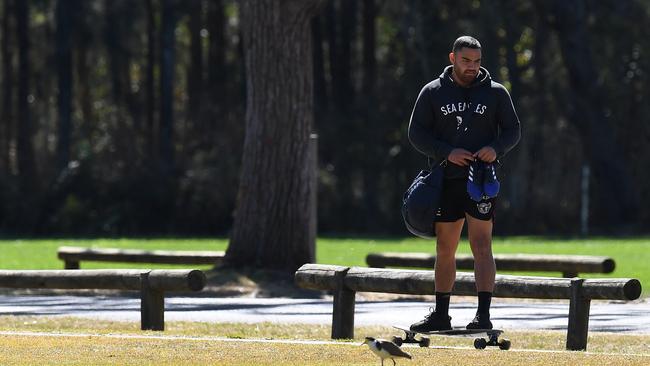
{"points": [[439, 110]]}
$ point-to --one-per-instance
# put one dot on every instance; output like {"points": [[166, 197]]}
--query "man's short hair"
{"points": [[466, 42]]}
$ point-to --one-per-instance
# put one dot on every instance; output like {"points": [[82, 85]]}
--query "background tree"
{"points": [[107, 97], [271, 228], [601, 148], [64, 58]]}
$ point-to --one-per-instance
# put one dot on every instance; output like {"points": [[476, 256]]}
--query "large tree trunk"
{"points": [[615, 202], [272, 223], [64, 65]]}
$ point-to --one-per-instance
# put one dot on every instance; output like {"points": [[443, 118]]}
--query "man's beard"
{"points": [[468, 77]]}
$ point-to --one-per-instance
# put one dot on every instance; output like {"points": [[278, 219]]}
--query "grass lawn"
{"points": [[41, 340], [631, 254], [73, 341]]}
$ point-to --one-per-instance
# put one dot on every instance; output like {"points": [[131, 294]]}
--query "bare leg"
{"points": [[448, 235], [480, 240]]}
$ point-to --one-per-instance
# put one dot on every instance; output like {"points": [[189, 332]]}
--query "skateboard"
{"points": [[490, 338]]}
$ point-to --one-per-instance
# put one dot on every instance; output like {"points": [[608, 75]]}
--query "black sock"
{"points": [[484, 300], [442, 302]]}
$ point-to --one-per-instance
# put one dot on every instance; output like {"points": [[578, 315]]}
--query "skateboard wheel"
{"points": [[397, 341], [425, 342], [504, 344], [480, 343]]}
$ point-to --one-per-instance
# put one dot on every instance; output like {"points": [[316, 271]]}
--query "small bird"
{"points": [[385, 349]]}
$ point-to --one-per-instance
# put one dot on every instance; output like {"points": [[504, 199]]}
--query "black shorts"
{"points": [[455, 203]]}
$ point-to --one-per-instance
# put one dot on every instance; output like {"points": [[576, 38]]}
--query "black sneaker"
{"points": [[490, 182], [480, 322], [432, 322], [475, 180]]}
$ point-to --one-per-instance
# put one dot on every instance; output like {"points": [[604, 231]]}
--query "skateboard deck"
{"points": [[490, 337]]}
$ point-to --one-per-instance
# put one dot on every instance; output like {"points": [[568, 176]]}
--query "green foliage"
{"points": [[362, 114]]}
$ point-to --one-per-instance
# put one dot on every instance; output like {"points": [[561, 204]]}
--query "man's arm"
{"points": [[509, 125], [421, 128]]}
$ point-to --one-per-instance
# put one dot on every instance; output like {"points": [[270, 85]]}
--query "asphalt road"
{"points": [[604, 316]]}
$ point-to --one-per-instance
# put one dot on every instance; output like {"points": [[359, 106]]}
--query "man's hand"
{"points": [[460, 157], [487, 154]]}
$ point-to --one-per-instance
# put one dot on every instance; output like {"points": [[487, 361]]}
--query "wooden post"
{"points": [[313, 195], [71, 264], [152, 306], [343, 309], [577, 331]]}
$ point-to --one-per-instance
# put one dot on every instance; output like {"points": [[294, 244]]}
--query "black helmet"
{"points": [[421, 202]]}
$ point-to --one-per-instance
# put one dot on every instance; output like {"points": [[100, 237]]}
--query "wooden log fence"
{"points": [[152, 285], [71, 256], [569, 265], [346, 281]]}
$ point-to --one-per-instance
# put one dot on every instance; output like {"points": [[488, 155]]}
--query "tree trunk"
{"points": [[217, 46], [167, 62], [6, 119], [368, 97], [616, 202], [340, 41], [216, 70], [150, 82], [320, 85], [24, 148], [64, 63], [195, 67], [271, 228], [82, 87], [114, 48], [119, 60], [515, 194], [369, 47]]}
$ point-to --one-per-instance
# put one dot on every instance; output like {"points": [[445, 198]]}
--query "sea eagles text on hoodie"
{"points": [[438, 112]]}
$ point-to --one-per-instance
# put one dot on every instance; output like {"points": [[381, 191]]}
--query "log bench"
{"points": [[152, 285], [568, 265], [71, 256], [346, 281]]}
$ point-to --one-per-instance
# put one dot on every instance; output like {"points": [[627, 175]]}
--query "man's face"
{"points": [[466, 63]]}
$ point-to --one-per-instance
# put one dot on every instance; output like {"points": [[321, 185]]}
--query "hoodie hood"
{"points": [[482, 78]]}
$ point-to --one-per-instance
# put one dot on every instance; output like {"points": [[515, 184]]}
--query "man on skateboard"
{"points": [[469, 121]]}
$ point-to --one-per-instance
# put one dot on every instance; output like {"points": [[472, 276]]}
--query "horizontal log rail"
{"points": [[152, 285], [73, 255], [346, 281], [569, 265]]}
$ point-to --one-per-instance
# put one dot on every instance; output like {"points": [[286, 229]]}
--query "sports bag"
{"points": [[421, 201]]}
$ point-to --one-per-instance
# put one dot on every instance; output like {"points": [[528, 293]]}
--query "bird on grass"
{"points": [[385, 349]]}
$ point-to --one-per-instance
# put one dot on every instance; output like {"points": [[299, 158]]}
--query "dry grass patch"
{"points": [[112, 350], [76, 341]]}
